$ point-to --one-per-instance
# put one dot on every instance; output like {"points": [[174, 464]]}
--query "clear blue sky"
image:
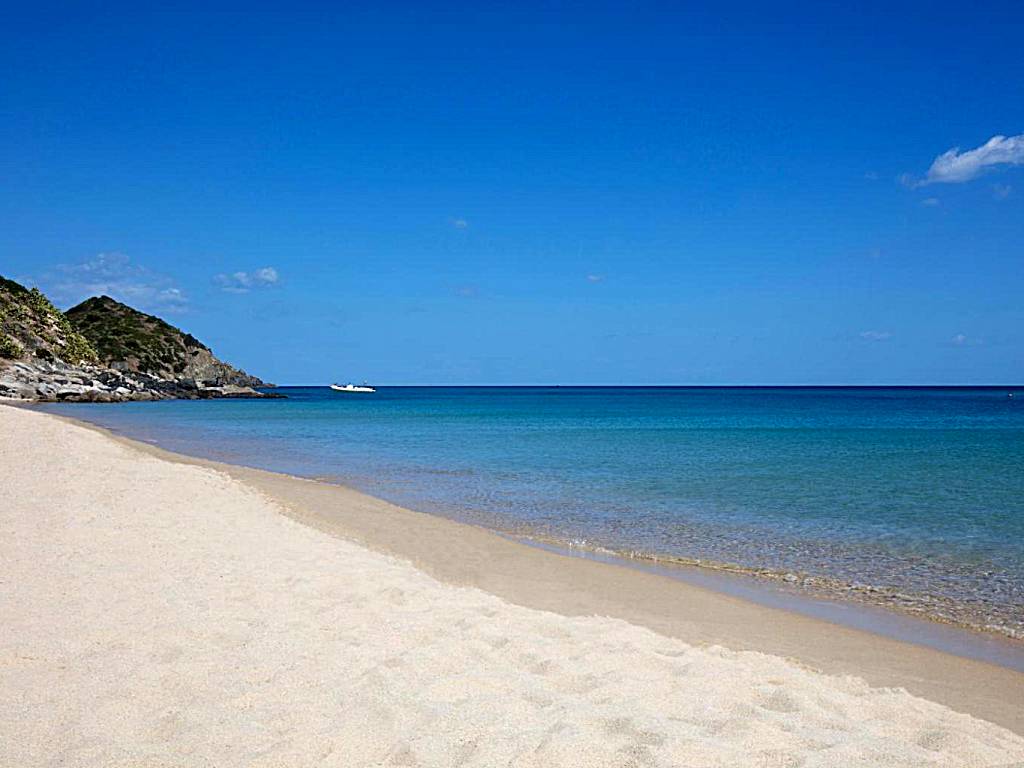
{"points": [[532, 193]]}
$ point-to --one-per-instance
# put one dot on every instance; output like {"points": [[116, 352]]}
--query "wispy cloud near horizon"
{"points": [[963, 340], [876, 335], [114, 274], [243, 282]]}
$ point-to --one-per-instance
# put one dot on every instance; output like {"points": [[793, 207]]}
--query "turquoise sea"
{"points": [[917, 491]]}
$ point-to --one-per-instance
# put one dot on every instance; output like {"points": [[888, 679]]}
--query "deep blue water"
{"points": [[921, 489]]}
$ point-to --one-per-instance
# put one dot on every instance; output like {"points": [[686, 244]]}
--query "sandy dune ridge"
{"points": [[154, 613]]}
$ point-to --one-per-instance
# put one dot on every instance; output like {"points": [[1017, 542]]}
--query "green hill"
{"points": [[129, 340]]}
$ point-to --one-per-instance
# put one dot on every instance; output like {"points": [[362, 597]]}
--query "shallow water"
{"points": [[919, 491]]}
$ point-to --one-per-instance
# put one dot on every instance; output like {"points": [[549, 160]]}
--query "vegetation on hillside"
{"points": [[124, 336], [31, 327]]}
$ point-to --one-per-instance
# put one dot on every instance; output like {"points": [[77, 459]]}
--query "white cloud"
{"points": [[114, 274], [1001, 191], [875, 335], [909, 181], [963, 340], [243, 282], [595, 278], [931, 202], [954, 166]]}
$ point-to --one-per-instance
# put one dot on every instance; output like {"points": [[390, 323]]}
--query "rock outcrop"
{"points": [[57, 381], [134, 342], [104, 351]]}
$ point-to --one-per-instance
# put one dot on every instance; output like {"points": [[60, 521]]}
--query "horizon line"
{"points": [[680, 386]]}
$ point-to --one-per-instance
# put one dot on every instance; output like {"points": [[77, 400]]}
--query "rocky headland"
{"points": [[105, 351]]}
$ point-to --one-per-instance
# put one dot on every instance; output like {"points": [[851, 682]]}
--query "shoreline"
{"points": [[529, 576], [802, 586], [999, 630], [874, 618]]}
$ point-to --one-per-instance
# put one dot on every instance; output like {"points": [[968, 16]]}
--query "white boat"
{"points": [[352, 388]]}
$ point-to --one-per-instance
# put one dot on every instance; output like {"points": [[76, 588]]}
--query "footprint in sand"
{"points": [[624, 726], [780, 701], [934, 741]]}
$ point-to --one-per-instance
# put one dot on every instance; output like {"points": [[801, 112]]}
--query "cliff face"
{"points": [[128, 340], [104, 351]]}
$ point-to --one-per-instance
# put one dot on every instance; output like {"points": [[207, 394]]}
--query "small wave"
{"points": [[990, 618]]}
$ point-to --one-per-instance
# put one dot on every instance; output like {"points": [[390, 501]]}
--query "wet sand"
{"points": [[158, 610]]}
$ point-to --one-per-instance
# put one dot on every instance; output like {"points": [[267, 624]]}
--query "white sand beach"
{"points": [[158, 613]]}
